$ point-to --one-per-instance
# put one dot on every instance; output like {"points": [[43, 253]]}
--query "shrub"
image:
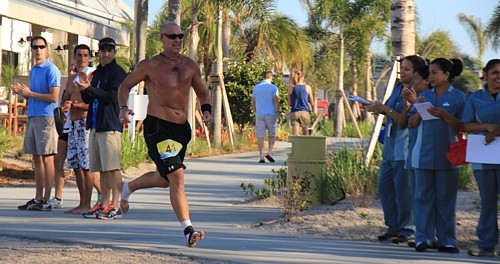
{"points": [[346, 170]]}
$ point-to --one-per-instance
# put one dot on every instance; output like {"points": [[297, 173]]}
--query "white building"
{"points": [[63, 23]]}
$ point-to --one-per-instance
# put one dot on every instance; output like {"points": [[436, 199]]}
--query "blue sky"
{"points": [[433, 15]]}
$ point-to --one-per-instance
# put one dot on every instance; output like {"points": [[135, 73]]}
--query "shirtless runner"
{"points": [[168, 77], [78, 137]]}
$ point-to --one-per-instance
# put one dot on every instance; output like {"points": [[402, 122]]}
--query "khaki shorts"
{"points": [[266, 122], [300, 118], [41, 136], [104, 150]]}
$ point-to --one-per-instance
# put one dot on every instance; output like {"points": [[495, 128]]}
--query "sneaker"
{"points": [[43, 205], [421, 247], [386, 237], [192, 236], [401, 239], [93, 213], [56, 204], [28, 205], [482, 252], [109, 213], [448, 249]]}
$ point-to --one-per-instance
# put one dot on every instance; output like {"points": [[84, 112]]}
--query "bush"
{"points": [[346, 169]]}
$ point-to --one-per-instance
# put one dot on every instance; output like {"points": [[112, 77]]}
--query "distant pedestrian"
{"points": [[266, 105], [300, 100], [40, 138]]}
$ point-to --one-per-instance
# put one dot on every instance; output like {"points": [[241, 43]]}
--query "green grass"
{"points": [[133, 153]]}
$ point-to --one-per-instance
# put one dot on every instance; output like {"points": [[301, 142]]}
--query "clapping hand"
{"points": [[83, 80]]}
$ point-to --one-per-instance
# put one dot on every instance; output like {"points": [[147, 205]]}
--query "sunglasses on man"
{"points": [[35, 47], [173, 36]]}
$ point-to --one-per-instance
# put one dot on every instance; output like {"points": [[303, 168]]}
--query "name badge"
{"points": [[168, 148]]}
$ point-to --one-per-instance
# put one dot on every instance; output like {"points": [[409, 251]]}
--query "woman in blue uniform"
{"points": [[482, 116], [393, 185], [436, 179]]}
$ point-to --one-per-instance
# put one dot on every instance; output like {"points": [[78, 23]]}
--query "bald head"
{"points": [[169, 26]]}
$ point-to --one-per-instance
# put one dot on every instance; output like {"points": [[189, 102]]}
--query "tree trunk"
{"points": [[192, 52], [217, 92], [140, 33], [369, 87], [403, 27], [174, 11], [339, 110], [226, 37]]}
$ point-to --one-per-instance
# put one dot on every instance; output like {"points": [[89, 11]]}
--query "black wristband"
{"points": [[206, 107]]}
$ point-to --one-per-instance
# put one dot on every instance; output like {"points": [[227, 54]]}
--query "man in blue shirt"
{"points": [[40, 139], [266, 106]]}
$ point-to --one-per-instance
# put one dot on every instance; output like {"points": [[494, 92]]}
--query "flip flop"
{"points": [[269, 158]]}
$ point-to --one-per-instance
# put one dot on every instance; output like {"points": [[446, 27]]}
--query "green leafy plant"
{"points": [[347, 171], [9, 74], [273, 186], [298, 196]]}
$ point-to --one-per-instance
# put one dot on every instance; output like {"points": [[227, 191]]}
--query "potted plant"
{"points": [[9, 74]]}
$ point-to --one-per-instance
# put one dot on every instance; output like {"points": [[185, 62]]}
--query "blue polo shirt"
{"points": [[435, 136], [396, 139], [42, 77], [482, 107], [264, 93]]}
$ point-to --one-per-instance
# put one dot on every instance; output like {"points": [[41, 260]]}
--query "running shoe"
{"points": [[56, 203], [28, 205], [192, 236], [92, 213], [109, 213], [43, 205]]}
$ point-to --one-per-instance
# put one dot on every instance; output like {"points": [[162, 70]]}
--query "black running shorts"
{"points": [[167, 143]]}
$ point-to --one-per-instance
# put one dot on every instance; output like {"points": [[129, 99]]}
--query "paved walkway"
{"points": [[213, 190]]}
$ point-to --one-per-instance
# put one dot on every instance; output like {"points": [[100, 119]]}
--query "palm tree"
{"points": [[478, 33], [494, 28], [174, 11], [403, 27]]}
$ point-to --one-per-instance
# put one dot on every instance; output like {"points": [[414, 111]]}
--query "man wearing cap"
{"points": [[168, 77], [40, 138], [100, 91]]}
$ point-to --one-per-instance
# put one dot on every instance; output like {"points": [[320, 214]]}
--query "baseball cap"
{"points": [[107, 43]]}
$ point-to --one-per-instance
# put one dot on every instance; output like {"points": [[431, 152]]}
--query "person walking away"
{"points": [[266, 107], [300, 101], [168, 77], [100, 91], [40, 138]]}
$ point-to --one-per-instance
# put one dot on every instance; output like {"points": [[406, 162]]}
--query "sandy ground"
{"points": [[341, 221]]}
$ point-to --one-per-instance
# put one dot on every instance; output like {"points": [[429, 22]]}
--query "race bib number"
{"points": [[168, 148]]}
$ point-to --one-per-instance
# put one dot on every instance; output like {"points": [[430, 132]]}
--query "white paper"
{"points": [[479, 152], [358, 99], [86, 70], [422, 110]]}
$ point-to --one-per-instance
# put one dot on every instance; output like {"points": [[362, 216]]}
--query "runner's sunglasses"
{"points": [[174, 36]]}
